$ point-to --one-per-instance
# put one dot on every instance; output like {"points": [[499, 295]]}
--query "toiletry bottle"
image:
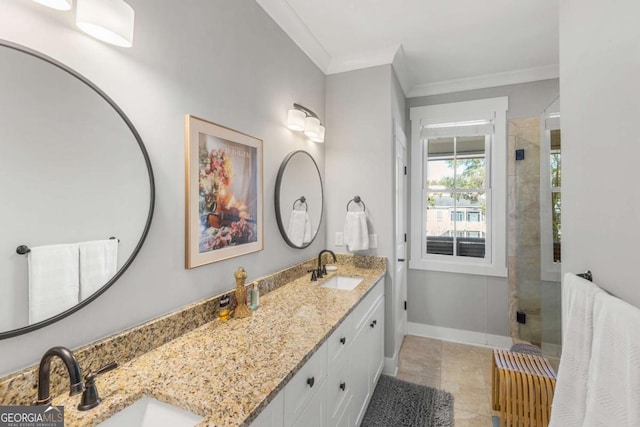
{"points": [[254, 297], [223, 313]]}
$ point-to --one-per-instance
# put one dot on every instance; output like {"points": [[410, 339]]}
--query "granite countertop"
{"points": [[228, 372]]}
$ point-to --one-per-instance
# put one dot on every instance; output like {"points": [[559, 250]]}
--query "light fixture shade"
{"points": [[312, 127], [56, 4], [320, 137], [108, 20], [295, 119]]}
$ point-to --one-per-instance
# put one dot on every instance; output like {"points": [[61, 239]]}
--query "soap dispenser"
{"points": [[254, 297]]}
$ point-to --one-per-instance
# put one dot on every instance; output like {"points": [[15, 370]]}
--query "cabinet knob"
{"points": [[374, 323], [343, 386], [343, 340], [311, 381]]}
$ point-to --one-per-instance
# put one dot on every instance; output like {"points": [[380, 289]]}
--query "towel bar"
{"points": [[586, 275], [358, 200], [24, 249]]}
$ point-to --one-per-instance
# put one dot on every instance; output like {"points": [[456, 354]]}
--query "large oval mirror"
{"points": [[77, 189], [299, 199]]}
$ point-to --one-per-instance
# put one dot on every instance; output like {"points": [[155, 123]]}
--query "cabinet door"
{"points": [[359, 370], [376, 343], [272, 415], [315, 413], [302, 388], [338, 387]]}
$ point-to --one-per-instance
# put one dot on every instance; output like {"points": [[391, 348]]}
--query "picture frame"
{"points": [[223, 193]]}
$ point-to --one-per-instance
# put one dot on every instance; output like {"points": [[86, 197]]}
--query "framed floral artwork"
{"points": [[223, 215]]}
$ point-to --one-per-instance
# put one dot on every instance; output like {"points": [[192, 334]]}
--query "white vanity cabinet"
{"points": [[354, 370], [367, 351], [334, 386]]}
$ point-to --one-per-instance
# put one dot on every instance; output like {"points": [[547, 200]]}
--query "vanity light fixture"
{"points": [[56, 4], [300, 118], [108, 20]]}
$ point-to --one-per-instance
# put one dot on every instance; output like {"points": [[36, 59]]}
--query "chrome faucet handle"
{"points": [[90, 398]]}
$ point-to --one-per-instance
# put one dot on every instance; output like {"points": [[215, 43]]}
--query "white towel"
{"points": [[299, 230], [98, 264], [613, 389], [307, 229], [356, 233], [569, 399], [54, 280]]}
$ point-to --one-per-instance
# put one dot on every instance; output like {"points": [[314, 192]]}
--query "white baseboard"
{"points": [[391, 366], [459, 335]]}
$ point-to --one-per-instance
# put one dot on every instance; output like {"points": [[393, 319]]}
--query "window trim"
{"points": [[550, 271], [495, 263]]}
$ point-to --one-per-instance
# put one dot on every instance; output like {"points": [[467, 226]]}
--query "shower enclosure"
{"points": [[535, 229]]}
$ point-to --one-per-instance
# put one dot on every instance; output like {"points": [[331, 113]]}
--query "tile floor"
{"points": [[462, 370]]}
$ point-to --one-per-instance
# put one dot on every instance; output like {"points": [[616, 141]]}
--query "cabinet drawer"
{"points": [[360, 313], [340, 340], [303, 386]]}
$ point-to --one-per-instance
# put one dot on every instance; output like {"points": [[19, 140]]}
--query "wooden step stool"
{"points": [[522, 388]]}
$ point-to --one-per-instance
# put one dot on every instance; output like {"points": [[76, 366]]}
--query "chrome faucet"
{"points": [[75, 376], [322, 268]]}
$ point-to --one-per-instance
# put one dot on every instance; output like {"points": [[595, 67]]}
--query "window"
{"points": [[455, 170], [473, 216], [458, 187], [555, 166], [550, 192], [455, 215]]}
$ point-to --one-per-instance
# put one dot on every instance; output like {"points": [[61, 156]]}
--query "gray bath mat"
{"points": [[397, 403]]}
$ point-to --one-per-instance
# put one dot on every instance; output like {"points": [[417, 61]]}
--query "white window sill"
{"points": [[476, 268]]}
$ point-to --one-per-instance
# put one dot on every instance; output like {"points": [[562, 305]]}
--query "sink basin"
{"points": [[148, 412], [342, 282]]}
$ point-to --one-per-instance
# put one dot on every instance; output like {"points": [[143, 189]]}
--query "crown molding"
{"points": [[485, 81], [287, 19], [373, 58]]}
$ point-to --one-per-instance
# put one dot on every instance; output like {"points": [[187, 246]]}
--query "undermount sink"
{"points": [[149, 412], [342, 282]]}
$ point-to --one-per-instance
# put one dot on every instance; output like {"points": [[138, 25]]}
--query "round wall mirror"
{"points": [[77, 189], [299, 199]]}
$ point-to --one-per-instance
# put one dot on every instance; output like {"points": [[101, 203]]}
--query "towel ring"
{"points": [[358, 200], [302, 200]]}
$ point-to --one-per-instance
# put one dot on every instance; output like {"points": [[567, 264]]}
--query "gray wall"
{"points": [[359, 158], [599, 101], [462, 301], [225, 61]]}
